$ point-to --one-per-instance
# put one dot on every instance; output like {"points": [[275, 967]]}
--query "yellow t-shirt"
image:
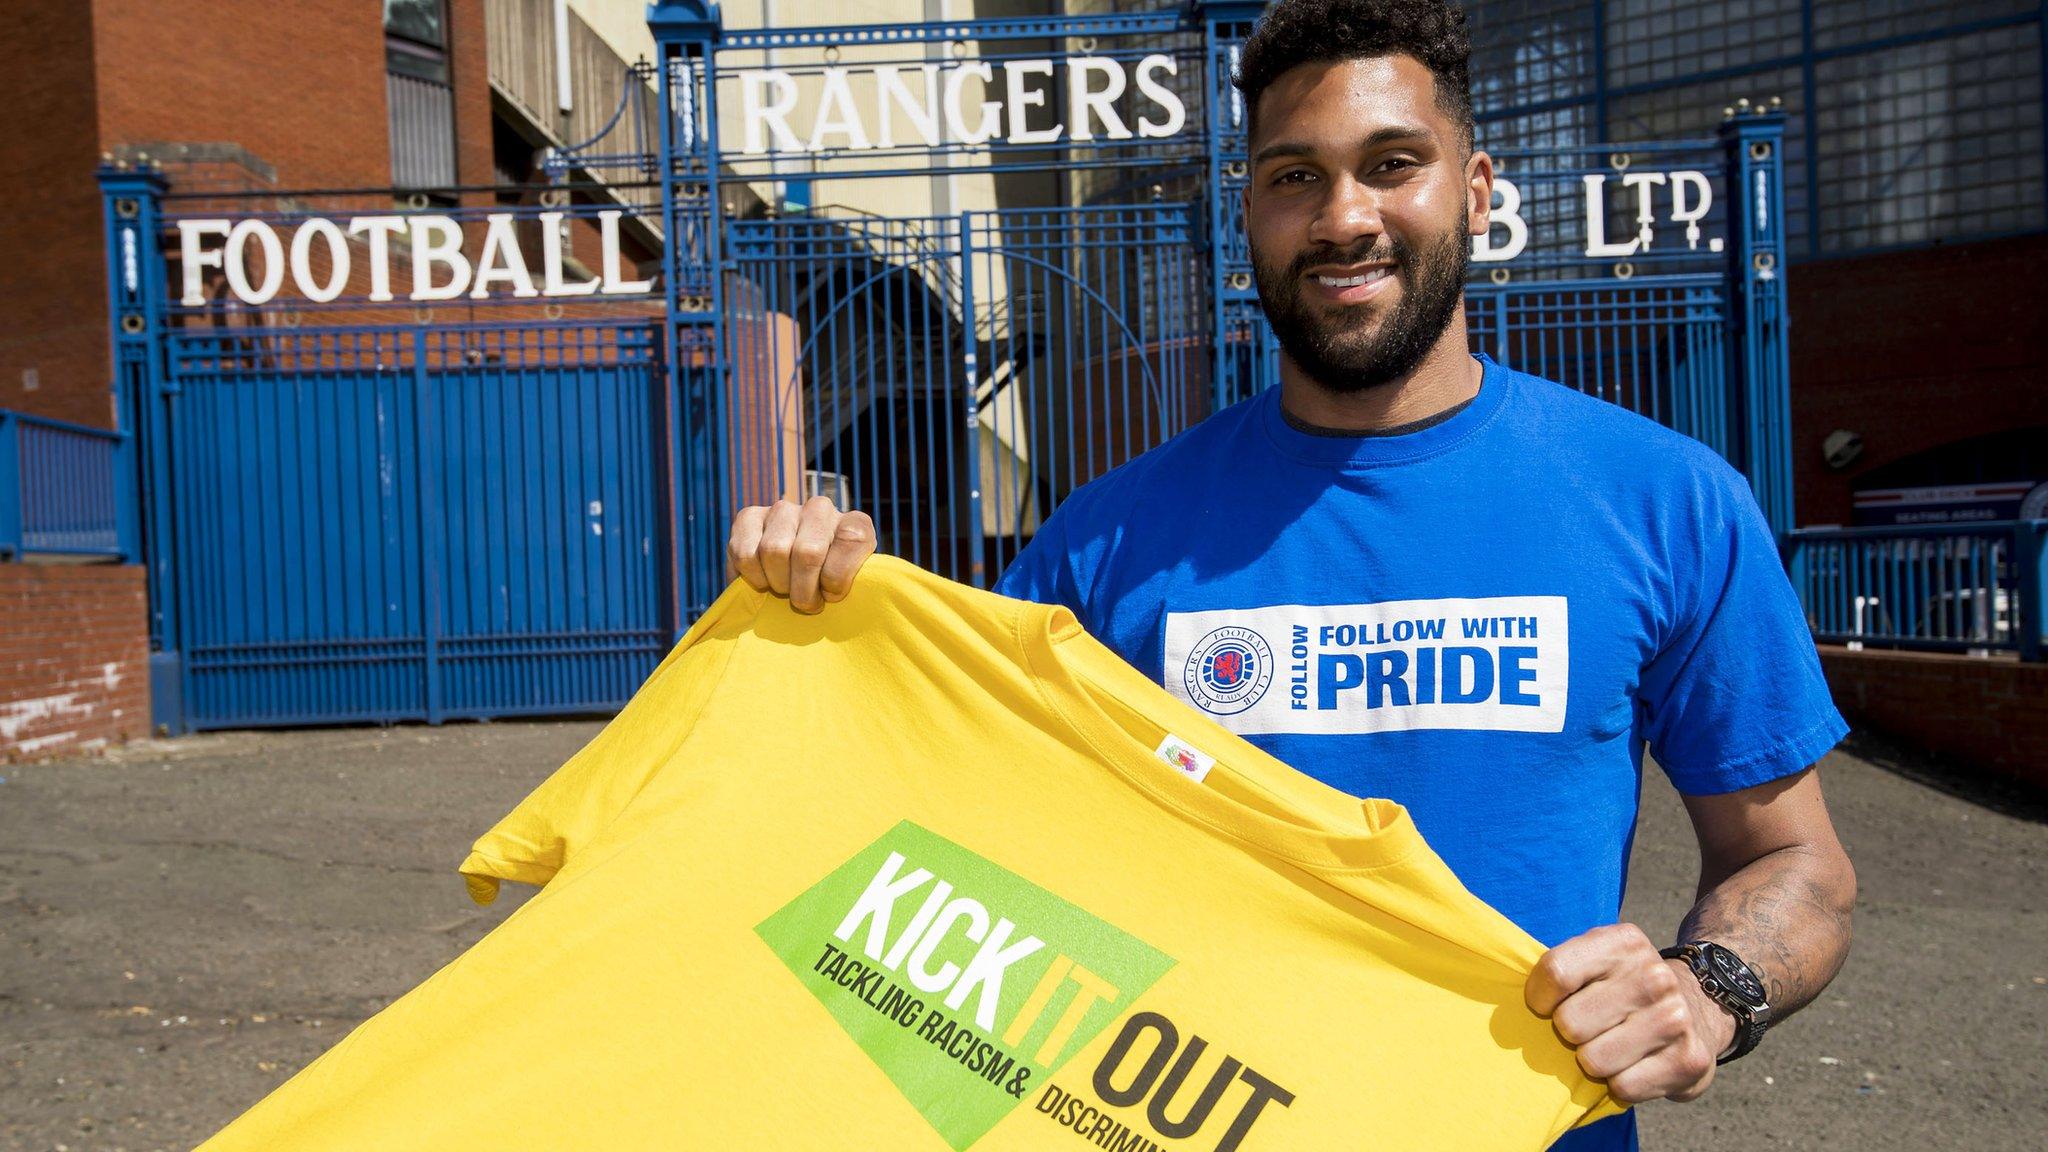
{"points": [[917, 874]]}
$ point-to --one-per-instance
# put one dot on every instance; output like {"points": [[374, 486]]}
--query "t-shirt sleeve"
{"points": [[1735, 696], [573, 806], [1043, 572], [1065, 561]]}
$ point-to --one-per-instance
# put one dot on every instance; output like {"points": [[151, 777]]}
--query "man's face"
{"points": [[1358, 215]]}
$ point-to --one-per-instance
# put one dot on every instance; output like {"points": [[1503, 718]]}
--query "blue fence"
{"points": [[956, 377], [62, 490], [447, 521], [1938, 587], [417, 459], [1649, 273]]}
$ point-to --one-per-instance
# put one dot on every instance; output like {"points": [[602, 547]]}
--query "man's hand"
{"points": [[809, 554], [1639, 1021]]}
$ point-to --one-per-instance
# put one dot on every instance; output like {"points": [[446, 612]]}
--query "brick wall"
{"points": [[470, 71], [53, 312], [300, 86], [1987, 715], [74, 659], [1914, 350]]}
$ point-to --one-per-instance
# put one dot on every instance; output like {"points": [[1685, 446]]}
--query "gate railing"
{"points": [[1937, 587], [63, 490], [1652, 273], [957, 364], [398, 459]]}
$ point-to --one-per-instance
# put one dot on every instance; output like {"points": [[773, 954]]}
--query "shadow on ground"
{"points": [[186, 923], [2000, 794]]}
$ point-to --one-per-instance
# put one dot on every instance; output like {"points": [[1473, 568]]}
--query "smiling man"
{"points": [[1415, 573]]}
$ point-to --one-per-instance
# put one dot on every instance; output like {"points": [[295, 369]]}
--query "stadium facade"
{"points": [[944, 260]]}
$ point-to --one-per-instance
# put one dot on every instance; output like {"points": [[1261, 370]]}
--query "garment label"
{"points": [[1192, 764], [1500, 663]]}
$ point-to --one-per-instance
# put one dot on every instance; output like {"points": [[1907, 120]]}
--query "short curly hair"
{"points": [[1297, 32]]}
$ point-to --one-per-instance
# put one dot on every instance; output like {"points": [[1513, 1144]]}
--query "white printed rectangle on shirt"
{"points": [[1498, 663]]}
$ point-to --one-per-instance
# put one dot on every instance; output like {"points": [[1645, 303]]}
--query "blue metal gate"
{"points": [[506, 489], [955, 376], [357, 511], [414, 521]]}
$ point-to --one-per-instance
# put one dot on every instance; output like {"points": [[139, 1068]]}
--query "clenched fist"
{"points": [[1639, 1021], [809, 554]]}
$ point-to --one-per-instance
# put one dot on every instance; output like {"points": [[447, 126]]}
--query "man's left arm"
{"points": [[1775, 888]]}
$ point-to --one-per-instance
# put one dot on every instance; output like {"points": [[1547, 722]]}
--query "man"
{"points": [[1574, 583]]}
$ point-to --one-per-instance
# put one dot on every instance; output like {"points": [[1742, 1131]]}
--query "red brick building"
{"points": [[224, 96], [237, 94], [1927, 357], [1936, 359]]}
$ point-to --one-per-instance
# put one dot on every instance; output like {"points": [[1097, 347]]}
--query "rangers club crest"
{"points": [[1229, 670]]}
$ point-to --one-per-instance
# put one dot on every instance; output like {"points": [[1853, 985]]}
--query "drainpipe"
{"points": [[564, 92], [943, 187]]}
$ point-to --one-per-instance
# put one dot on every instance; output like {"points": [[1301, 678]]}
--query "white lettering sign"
{"points": [[1690, 195], [1507, 214], [914, 105], [439, 268]]}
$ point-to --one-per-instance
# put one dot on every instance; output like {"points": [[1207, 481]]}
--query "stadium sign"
{"points": [[929, 105], [439, 269], [1690, 197]]}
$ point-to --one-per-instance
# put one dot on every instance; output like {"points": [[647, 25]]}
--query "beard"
{"points": [[1338, 348]]}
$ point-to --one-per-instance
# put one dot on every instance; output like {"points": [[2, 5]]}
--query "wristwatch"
{"points": [[1728, 982]]}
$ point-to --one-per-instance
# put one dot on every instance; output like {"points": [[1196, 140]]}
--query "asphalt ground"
{"points": [[184, 924]]}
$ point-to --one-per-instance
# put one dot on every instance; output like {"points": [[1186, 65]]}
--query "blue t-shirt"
{"points": [[1486, 620]]}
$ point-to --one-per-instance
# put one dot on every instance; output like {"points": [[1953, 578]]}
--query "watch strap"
{"points": [[1751, 1020]]}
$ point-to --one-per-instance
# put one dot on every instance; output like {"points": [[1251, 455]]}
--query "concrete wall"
{"points": [[74, 659]]}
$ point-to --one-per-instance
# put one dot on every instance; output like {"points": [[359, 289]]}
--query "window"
{"points": [[422, 22], [1694, 110], [1926, 118], [1837, 23], [1931, 140], [1654, 40], [417, 89], [1530, 52]]}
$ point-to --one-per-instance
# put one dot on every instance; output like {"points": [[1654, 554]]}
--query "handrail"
{"points": [[1936, 587], [61, 489]]}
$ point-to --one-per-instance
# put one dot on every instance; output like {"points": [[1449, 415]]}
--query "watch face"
{"points": [[1735, 975]]}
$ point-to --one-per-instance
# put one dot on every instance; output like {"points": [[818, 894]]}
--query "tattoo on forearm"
{"points": [[1787, 915]]}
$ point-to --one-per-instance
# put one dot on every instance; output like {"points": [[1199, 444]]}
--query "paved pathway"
{"points": [[185, 924]]}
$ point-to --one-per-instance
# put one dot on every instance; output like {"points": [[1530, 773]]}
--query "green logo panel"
{"points": [[967, 984]]}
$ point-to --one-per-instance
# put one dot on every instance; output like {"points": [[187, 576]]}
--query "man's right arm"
{"points": [[809, 553]]}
